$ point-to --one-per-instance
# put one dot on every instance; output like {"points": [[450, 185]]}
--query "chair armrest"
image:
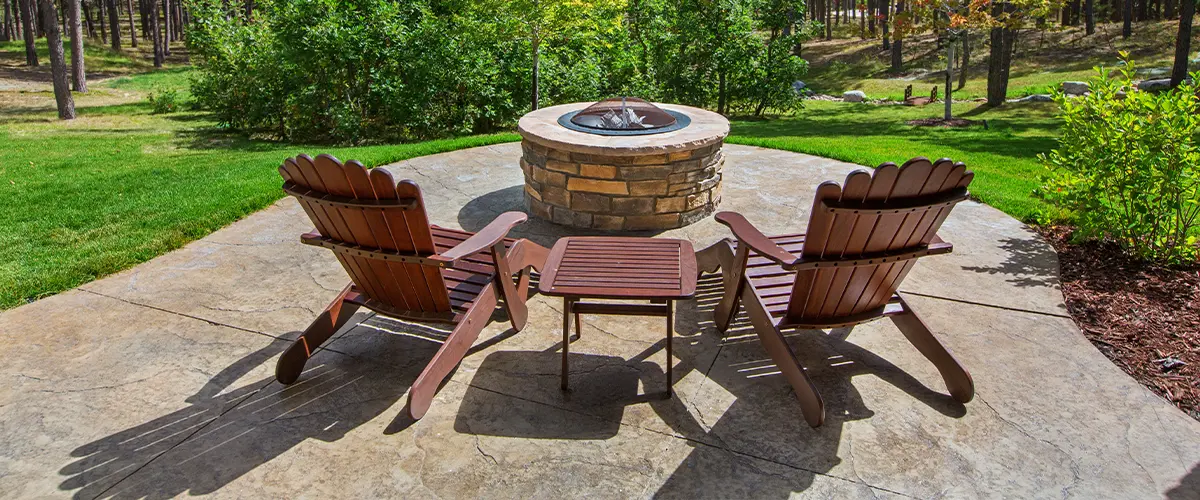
{"points": [[750, 236], [485, 238]]}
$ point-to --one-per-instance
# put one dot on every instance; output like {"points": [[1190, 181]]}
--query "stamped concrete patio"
{"points": [[157, 382]]}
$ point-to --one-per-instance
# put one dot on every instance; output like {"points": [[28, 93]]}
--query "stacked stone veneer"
{"points": [[611, 192]]}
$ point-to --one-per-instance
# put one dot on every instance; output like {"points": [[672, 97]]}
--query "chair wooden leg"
{"points": [[523, 256], [733, 267], [958, 380], [332, 319], [811, 404], [451, 353]]}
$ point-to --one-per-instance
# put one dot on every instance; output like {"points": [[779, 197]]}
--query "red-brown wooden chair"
{"points": [[402, 266], [862, 239]]}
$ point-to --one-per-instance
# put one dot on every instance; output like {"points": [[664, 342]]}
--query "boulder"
{"points": [[801, 89], [1036, 98], [1074, 88], [854, 96], [1155, 85]]}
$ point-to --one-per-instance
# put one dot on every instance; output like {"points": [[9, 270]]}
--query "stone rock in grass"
{"points": [[1075, 88], [1034, 98], [854, 96], [1154, 85]]}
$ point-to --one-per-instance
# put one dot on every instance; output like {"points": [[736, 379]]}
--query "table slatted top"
{"points": [[620, 268]]}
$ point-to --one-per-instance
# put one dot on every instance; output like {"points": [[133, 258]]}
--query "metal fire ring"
{"points": [[681, 121]]}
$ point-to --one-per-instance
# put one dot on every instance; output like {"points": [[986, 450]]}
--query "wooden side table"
{"points": [[631, 269]]}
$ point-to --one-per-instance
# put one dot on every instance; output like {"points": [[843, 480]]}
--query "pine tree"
{"points": [[31, 58], [58, 63], [74, 25]]}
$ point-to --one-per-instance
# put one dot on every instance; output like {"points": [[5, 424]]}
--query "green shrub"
{"points": [[355, 71], [164, 100], [1128, 167]]}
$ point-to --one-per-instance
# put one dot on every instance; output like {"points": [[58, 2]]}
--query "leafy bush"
{"points": [[164, 101], [1128, 166], [355, 71]]}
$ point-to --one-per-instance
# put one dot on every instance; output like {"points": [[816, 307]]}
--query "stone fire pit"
{"points": [[622, 182]]}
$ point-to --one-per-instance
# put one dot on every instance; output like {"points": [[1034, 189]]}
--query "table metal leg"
{"points": [[670, 332], [566, 347]]}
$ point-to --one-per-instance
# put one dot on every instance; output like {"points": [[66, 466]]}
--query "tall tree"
{"points": [[898, 29], [1183, 41], [7, 23], [31, 58], [1089, 14], [966, 61], [58, 63], [1127, 19], [552, 21], [75, 28], [883, 21], [1000, 57], [114, 24], [155, 34], [133, 34], [166, 27]]}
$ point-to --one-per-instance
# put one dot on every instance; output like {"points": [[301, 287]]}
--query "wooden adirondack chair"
{"points": [[403, 267], [861, 242]]}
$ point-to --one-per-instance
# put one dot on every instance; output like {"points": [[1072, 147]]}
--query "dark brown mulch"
{"points": [[940, 122], [1146, 319]]}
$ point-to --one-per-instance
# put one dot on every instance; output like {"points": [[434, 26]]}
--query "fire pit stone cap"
{"points": [[542, 127]]}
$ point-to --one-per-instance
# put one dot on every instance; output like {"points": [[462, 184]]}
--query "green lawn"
{"points": [[1044, 60], [1004, 156], [119, 185]]}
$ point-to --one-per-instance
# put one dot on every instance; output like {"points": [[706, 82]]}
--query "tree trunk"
{"points": [[966, 61], [31, 58], [1000, 58], [155, 34], [166, 27], [145, 20], [949, 79], [133, 34], [1127, 29], [114, 23], [1169, 9], [1090, 16], [534, 97], [872, 8], [74, 26], [7, 28], [249, 10], [898, 43], [58, 63], [1183, 42], [883, 21], [91, 29], [722, 105]]}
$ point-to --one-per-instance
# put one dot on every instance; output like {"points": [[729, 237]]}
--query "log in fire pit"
{"points": [[622, 164]]}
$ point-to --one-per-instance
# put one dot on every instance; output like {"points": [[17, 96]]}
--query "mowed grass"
{"points": [[1043, 61], [119, 186], [1003, 156]]}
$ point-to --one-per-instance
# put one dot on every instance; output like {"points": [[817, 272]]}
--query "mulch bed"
{"points": [[940, 122], [1146, 319]]}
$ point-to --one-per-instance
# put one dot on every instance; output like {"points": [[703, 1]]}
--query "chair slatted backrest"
{"points": [[370, 211], [920, 186]]}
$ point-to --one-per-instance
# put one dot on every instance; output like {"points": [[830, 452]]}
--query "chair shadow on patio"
{"points": [[762, 433], [759, 434], [226, 432]]}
